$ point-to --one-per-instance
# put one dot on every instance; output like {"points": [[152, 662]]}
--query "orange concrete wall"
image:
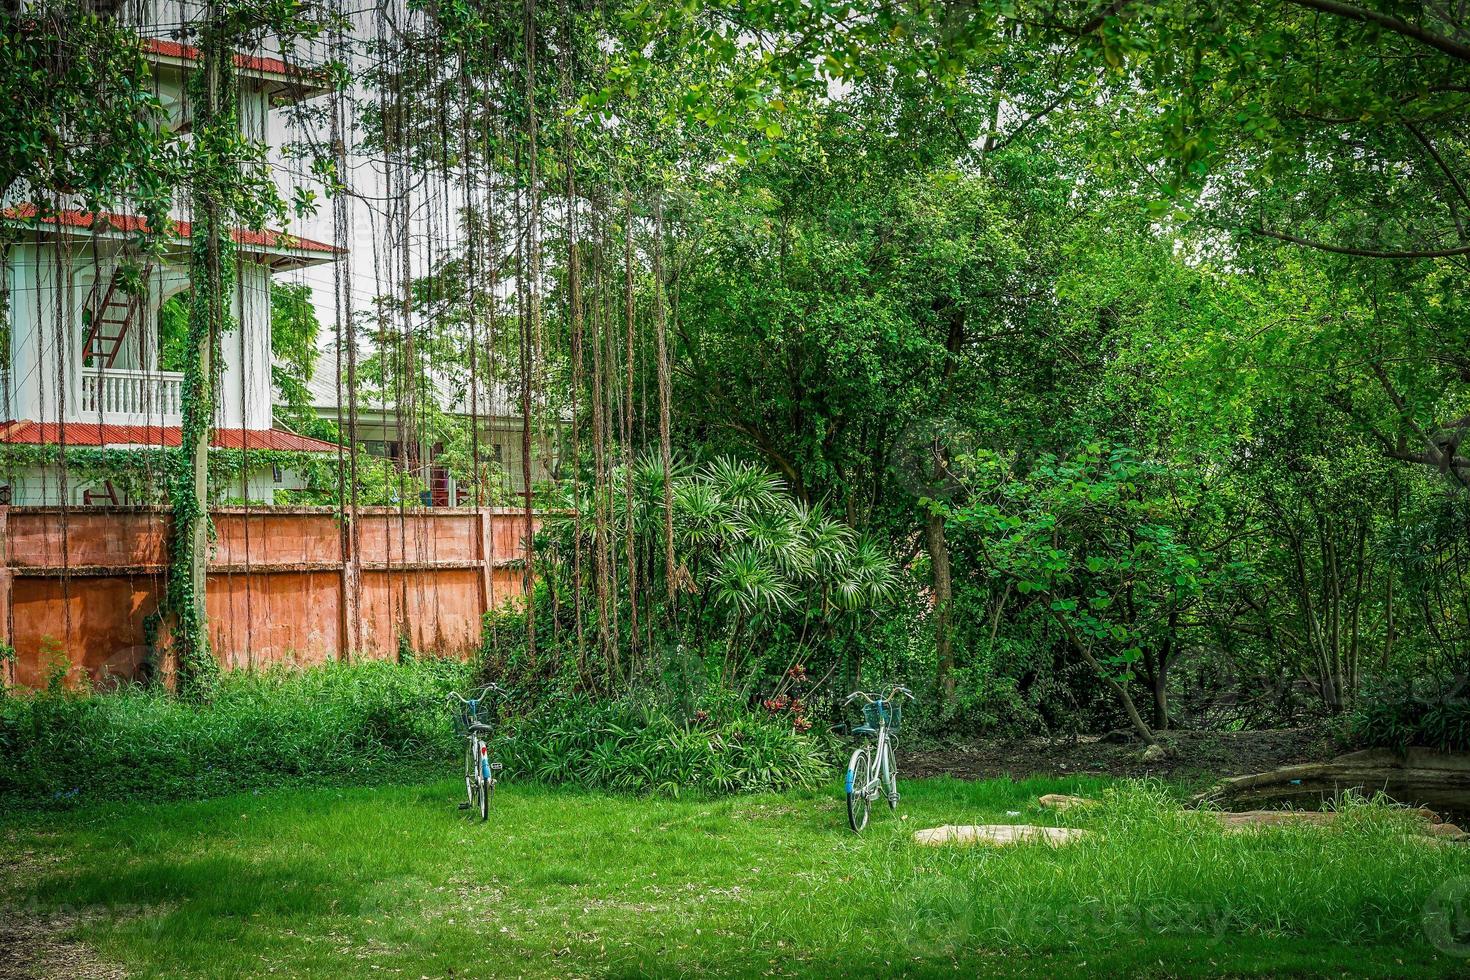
{"points": [[284, 585]]}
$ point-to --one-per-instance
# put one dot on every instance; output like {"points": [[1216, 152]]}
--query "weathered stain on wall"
{"points": [[77, 587]]}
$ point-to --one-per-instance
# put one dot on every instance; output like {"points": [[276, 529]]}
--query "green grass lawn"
{"points": [[395, 881]]}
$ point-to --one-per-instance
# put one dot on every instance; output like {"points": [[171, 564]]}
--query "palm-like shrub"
{"points": [[749, 558]]}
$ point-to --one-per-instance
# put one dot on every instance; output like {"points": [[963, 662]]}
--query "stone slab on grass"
{"points": [[997, 834]]}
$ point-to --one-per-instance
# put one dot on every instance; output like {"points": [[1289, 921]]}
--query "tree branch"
{"points": [[1097, 19], [1366, 253], [1441, 457], [1388, 22]]}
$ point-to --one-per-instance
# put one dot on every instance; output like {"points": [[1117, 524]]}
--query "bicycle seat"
{"points": [[478, 727], [865, 730]]}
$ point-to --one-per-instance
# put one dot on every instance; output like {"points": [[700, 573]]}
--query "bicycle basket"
{"points": [[465, 715], [878, 712]]}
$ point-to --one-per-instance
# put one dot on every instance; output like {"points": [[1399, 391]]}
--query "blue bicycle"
{"points": [[472, 719]]}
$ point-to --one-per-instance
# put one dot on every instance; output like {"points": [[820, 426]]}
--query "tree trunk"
{"points": [[1120, 690], [938, 548], [189, 493], [1161, 695]]}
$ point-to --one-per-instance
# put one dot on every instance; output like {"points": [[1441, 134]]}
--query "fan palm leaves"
{"points": [[701, 518], [825, 538], [746, 582], [777, 537], [867, 578], [744, 486], [741, 541]]}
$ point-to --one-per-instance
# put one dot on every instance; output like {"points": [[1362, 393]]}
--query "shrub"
{"points": [[366, 723], [336, 724], [1398, 713], [628, 747]]}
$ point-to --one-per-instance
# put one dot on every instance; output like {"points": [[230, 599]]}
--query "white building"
{"points": [[81, 366], [408, 437]]}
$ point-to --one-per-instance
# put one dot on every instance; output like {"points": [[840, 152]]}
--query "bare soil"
{"points": [[1193, 756], [33, 942], [32, 948]]}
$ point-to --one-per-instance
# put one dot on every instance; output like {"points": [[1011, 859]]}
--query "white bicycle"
{"points": [[472, 720], [872, 767]]}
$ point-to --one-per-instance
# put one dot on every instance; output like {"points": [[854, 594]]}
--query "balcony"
{"points": [[125, 396]]}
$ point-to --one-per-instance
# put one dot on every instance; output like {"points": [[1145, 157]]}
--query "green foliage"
{"points": [[751, 562], [1102, 540], [79, 112], [295, 331], [618, 745], [1403, 712], [173, 332], [368, 722]]}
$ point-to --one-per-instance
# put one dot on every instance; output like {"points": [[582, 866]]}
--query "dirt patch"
{"points": [[32, 948], [1194, 756], [32, 939]]}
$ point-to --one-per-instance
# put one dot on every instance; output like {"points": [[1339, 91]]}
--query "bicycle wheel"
{"points": [[890, 776], [859, 774], [471, 774]]}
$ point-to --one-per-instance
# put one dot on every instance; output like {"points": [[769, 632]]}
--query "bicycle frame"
{"points": [[479, 771], [879, 771]]}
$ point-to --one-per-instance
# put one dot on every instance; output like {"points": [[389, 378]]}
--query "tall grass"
{"points": [[365, 723], [628, 747], [1148, 868], [336, 724]]}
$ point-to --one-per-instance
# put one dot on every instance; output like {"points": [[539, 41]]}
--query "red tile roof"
{"points": [[133, 223], [264, 66], [95, 434]]}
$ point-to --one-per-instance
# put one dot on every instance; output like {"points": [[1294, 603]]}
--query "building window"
{"points": [[380, 448]]}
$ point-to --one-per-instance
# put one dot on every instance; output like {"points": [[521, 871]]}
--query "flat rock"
{"points": [[1061, 801], [997, 834]]}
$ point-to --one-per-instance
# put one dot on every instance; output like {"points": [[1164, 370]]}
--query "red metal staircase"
{"points": [[111, 312]]}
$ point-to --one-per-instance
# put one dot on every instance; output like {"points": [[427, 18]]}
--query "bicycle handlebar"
{"points": [[480, 696], [896, 690]]}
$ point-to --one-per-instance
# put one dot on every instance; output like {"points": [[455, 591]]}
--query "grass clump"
{"points": [[1148, 869], [628, 747], [334, 724]]}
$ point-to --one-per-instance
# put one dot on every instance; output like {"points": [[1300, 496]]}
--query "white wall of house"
{"points": [[245, 387], [44, 485], [49, 283]]}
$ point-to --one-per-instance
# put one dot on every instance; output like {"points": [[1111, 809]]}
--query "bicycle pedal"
{"points": [[496, 766], [464, 806]]}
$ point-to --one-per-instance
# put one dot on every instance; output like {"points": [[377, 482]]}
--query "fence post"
{"points": [[487, 559], [350, 623]]}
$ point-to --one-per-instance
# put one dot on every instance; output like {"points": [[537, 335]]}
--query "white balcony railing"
{"points": [[122, 396]]}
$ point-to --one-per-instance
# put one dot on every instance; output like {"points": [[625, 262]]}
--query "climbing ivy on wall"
{"points": [[213, 91], [143, 475], [230, 185]]}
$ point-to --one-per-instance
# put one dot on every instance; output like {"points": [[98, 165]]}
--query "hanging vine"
{"points": [[213, 90]]}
